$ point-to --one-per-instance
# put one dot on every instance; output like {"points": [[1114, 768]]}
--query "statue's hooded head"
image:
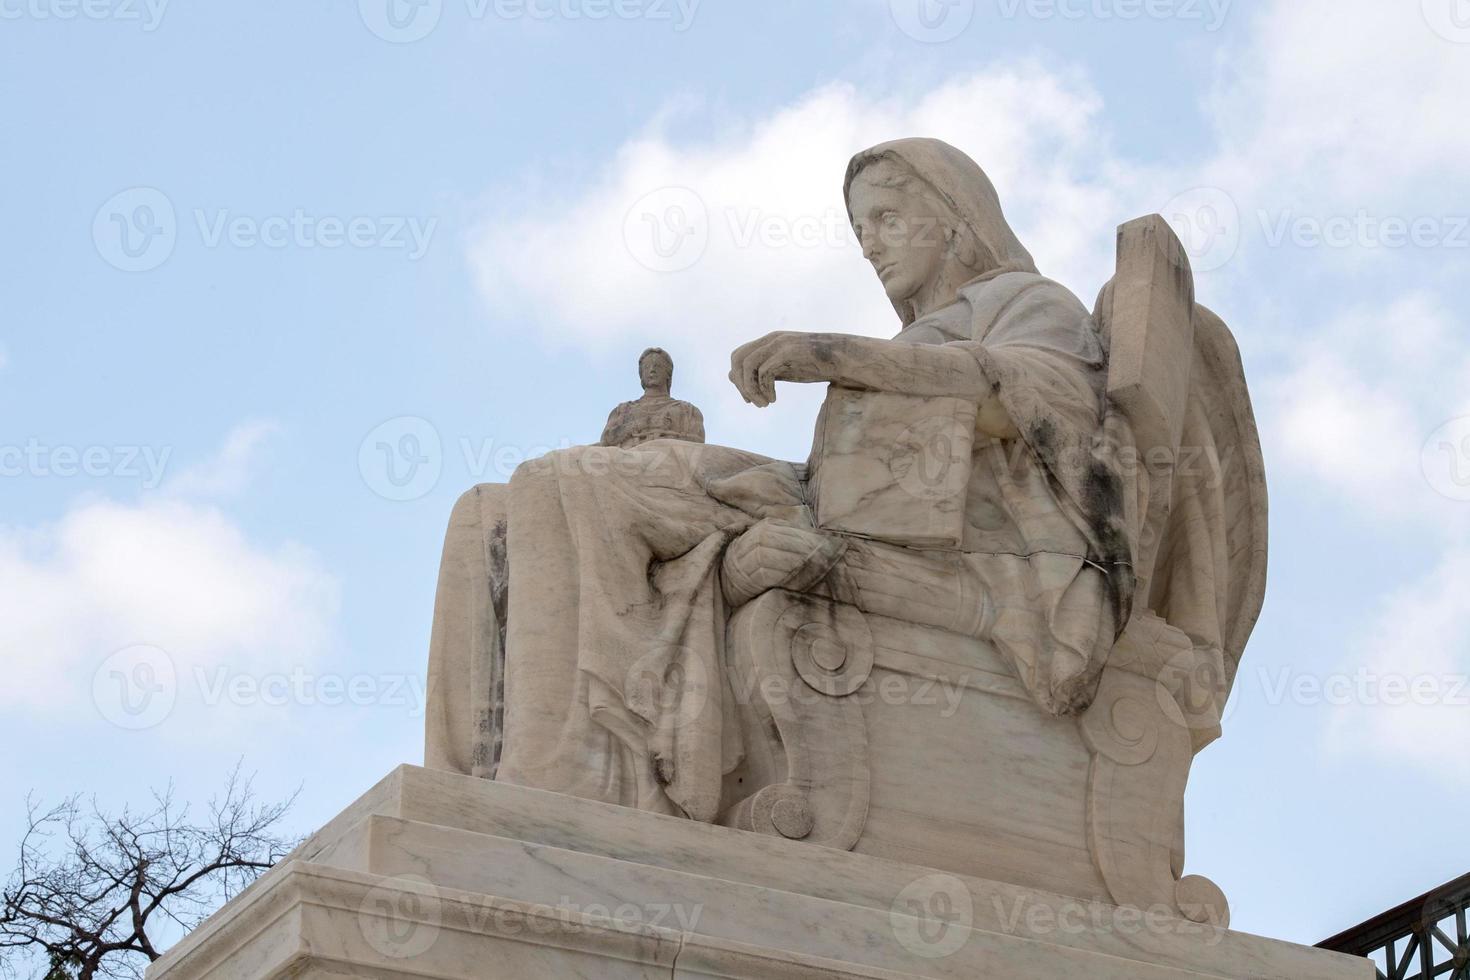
{"points": [[930, 221]]}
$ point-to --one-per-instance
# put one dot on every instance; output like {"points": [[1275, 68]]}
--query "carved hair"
{"points": [[656, 352]]}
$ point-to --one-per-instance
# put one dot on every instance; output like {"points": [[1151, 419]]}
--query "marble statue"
{"points": [[922, 706], [656, 415], [1057, 511]]}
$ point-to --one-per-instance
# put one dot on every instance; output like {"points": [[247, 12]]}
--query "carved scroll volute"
{"points": [[799, 658], [1141, 753]]}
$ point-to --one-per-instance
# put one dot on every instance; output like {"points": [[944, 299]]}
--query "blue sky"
{"points": [[340, 233]]}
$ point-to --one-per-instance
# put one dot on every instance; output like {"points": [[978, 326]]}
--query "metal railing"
{"points": [[1423, 939]]}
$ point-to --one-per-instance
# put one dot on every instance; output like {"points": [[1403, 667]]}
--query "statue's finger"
{"points": [[734, 377], [767, 375], [750, 381]]}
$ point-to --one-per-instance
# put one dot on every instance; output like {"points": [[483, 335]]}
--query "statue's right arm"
{"points": [[868, 363]]}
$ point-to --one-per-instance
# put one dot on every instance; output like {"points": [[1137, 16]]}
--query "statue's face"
{"points": [[902, 232], [655, 372]]}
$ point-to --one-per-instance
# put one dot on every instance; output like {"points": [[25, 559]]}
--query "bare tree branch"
{"points": [[96, 894]]}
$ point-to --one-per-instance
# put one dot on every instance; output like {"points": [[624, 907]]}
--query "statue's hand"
{"points": [[785, 355], [771, 554]]}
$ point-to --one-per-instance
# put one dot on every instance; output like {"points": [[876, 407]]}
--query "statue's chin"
{"points": [[900, 296]]}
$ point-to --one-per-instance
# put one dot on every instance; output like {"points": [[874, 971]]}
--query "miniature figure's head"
{"points": [[656, 371], [928, 219]]}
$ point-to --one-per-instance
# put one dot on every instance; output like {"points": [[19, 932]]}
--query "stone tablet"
{"points": [[892, 466]]}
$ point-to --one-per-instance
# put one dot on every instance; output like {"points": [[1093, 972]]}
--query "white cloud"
{"points": [[774, 180], [1408, 697], [228, 471], [1344, 98], [177, 575], [1359, 396], [1325, 109]]}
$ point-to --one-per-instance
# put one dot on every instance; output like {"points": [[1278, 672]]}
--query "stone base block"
{"points": [[433, 874]]}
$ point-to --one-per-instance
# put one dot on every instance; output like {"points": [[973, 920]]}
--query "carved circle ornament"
{"points": [[833, 655], [784, 808]]}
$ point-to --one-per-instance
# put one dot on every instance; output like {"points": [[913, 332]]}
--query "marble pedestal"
{"points": [[434, 874]]}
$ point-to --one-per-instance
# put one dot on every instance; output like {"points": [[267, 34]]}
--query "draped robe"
{"points": [[614, 687]]}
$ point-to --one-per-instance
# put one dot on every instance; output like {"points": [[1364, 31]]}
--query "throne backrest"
{"points": [[1146, 317]]}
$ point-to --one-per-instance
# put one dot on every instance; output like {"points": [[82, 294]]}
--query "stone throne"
{"points": [[903, 747], [920, 744]]}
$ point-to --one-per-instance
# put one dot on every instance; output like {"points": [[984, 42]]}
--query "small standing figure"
{"points": [[656, 415]]}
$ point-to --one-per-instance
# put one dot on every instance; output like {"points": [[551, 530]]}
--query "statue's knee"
{"points": [[563, 466], [475, 505]]}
